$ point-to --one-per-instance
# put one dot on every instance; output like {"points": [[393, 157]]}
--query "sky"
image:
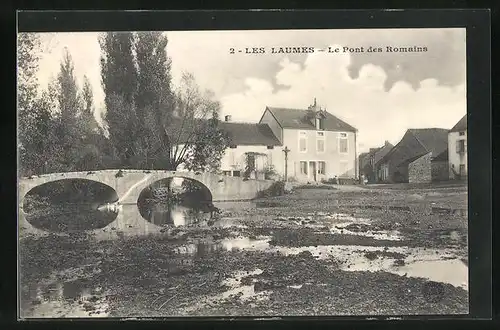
{"points": [[382, 94]]}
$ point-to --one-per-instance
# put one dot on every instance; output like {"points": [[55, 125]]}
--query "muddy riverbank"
{"points": [[316, 251]]}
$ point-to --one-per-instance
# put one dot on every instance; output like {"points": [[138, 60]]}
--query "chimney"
{"points": [[314, 106], [386, 142], [227, 118]]}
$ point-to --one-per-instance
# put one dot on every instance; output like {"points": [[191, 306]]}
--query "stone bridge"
{"points": [[128, 184]]}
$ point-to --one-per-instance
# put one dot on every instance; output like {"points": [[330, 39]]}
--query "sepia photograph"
{"points": [[262, 173]]}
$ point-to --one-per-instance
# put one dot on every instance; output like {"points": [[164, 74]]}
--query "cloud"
{"points": [[363, 102]]}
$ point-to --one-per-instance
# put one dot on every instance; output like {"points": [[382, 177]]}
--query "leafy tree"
{"points": [[149, 125], [88, 120], [92, 136], [27, 65], [154, 100], [69, 130], [38, 149], [154, 76], [119, 82], [121, 120], [208, 148], [197, 141]]}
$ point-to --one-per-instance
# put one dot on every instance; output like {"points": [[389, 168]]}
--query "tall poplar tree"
{"points": [[154, 101], [70, 108], [119, 82], [93, 142]]}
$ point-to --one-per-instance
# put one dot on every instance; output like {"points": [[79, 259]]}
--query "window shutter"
{"points": [[458, 146]]}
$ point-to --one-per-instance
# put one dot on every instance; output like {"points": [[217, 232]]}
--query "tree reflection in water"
{"points": [[175, 202], [69, 205]]}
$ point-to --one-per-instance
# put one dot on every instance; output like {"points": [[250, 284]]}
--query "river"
{"points": [[242, 226]]}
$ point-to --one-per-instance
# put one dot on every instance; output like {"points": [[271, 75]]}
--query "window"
{"points": [[320, 145], [233, 146], [303, 168], [227, 173], [236, 173], [320, 141], [461, 146], [461, 133], [302, 141], [321, 167], [270, 147], [343, 143]]}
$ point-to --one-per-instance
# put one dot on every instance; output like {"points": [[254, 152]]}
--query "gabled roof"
{"points": [[364, 158], [382, 151], [416, 143], [376, 153], [250, 134], [238, 133], [461, 125], [298, 119], [442, 156], [434, 140]]}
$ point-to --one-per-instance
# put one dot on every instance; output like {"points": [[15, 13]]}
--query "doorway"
{"points": [[312, 170]]}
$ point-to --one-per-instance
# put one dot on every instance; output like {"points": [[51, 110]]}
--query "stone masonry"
{"points": [[420, 170]]}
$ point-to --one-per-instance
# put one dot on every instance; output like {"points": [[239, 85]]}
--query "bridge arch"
{"points": [[68, 204], [107, 193], [186, 183], [27, 186]]}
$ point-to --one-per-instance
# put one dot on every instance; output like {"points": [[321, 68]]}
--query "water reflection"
{"points": [[173, 215], [69, 205], [57, 219], [175, 202], [202, 247], [440, 265]]}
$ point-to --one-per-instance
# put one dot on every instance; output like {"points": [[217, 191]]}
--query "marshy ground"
{"points": [[388, 249]]}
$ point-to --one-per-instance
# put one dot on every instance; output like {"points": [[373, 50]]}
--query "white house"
{"points": [[318, 144], [252, 146], [457, 150]]}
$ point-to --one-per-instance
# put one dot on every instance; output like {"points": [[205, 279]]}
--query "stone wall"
{"points": [[440, 170], [420, 170]]}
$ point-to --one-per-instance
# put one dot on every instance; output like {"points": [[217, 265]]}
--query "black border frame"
{"points": [[477, 22]]}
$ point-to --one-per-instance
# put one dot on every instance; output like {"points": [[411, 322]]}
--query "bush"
{"points": [[276, 189], [269, 172], [330, 181]]}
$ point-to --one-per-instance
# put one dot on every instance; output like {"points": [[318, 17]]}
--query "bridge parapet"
{"points": [[128, 184]]}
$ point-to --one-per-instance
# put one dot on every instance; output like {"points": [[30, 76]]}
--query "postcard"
{"points": [[305, 172]]}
